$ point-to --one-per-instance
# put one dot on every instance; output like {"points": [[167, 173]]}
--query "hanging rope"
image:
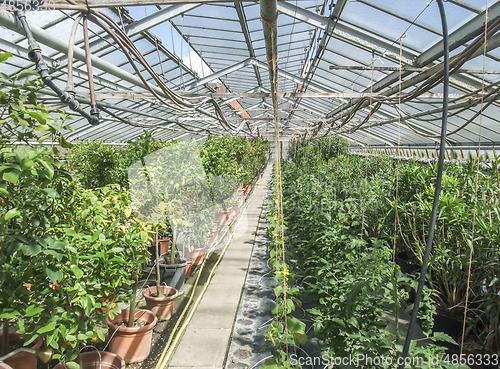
{"points": [[476, 189], [159, 58], [367, 151]]}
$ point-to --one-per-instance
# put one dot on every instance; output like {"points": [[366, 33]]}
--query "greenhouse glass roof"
{"points": [[369, 70]]}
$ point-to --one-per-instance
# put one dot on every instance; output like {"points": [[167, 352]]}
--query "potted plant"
{"points": [[58, 238], [160, 299], [30, 182]]}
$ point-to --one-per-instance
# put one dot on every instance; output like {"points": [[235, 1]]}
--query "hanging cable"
{"points": [[94, 111], [437, 191], [476, 189], [35, 55]]}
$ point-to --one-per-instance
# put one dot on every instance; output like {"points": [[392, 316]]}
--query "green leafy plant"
{"points": [[67, 252], [97, 164]]}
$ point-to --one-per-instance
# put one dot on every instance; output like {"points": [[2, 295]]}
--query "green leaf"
{"points": [[47, 328], [48, 166], [269, 364], [11, 177], [9, 315], [95, 235], [27, 72], [352, 297], [441, 336], [11, 214], [101, 335], [4, 56], [42, 118], [70, 232], [32, 248], [55, 274], [50, 192], [294, 325], [57, 255], [78, 272], [65, 144], [32, 311], [72, 365]]}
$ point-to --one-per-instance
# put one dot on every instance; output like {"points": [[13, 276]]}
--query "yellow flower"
{"points": [[286, 272], [275, 235]]}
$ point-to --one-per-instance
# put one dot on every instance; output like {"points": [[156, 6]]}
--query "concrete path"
{"points": [[205, 342]]}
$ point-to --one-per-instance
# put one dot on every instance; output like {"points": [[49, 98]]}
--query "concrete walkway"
{"points": [[205, 342]]}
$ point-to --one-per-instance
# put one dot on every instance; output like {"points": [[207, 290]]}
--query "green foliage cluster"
{"points": [[392, 203], [315, 150], [67, 252], [98, 164], [350, 278], [234, 156]]}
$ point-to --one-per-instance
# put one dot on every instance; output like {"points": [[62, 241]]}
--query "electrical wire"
{"points": [[430, 78], [176, 102], [437, 191]]}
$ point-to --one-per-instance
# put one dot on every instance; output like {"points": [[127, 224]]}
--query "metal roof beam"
{"points": [[218, 74], [145, 23], [460, 36], [294, 78], [62, 4], [246, 33], [47, 38], [344, 32]]}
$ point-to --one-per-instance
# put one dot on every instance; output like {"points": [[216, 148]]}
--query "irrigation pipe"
{"points": [[173, 342], [442, 150]]}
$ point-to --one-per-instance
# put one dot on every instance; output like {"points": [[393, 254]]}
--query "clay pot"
{"points": [[163, 307], [133, 344], [164, 245], [236, 209], [22, 360], [98, 360], [198, 255], [188, 267], [248, 188], [224, 217], [215, 236]]}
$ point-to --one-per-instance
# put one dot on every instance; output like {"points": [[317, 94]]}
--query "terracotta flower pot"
{"points": [[198, 255], [163, 307], [98, 360], [133, 344], [248, 188], [22, 360], [224, 217], [164, 245], [236, 209], [188, 267], [215, 236]]}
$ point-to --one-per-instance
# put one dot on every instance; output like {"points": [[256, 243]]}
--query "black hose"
{"points": [[35, 55], [437, 191]]}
